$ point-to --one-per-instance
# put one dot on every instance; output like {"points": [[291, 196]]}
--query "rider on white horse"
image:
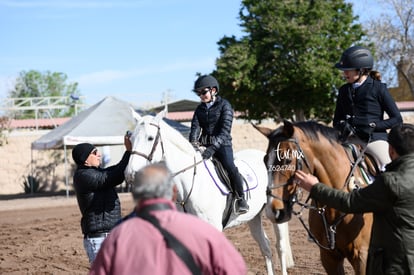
{"points": [[211, 127]]}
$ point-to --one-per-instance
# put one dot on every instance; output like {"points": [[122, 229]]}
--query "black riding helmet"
{"points": [[205, 81], [355, 58]]}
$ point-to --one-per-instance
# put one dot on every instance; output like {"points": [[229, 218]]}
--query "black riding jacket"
{"points": [[367, 104], [97, 198], [212, 126]]}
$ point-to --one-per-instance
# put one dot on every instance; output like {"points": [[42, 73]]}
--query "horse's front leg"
{"points": [[359, 256], [283, 247], [359, 264], [259, 235], [332, 262]]}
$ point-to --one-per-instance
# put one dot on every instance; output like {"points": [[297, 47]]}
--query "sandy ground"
{"points": [[42, 236]]}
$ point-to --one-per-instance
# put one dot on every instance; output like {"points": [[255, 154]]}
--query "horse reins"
{"points": [[184, 201], [330, 230], [356, 163]]}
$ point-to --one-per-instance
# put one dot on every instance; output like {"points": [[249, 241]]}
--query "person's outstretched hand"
{"points": [[127, 141], [305, 180]]}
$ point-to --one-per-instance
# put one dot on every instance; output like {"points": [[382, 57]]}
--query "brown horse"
{"points": [[315, 148]]}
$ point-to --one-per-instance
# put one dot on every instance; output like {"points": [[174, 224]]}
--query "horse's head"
{"points": [[147, 144], [282, 159]]}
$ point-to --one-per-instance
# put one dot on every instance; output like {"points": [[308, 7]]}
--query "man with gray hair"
{"points": [[158, 239], [152, 182]]}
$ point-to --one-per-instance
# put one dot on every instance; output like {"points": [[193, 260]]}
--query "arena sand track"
{"points": [[42, 236]]}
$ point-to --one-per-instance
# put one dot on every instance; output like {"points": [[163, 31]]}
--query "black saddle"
{"points": [[368, 165], [231, 198], [222, 173]]}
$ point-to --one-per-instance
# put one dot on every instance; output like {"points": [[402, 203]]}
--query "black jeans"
{"points": [[225, 156]]}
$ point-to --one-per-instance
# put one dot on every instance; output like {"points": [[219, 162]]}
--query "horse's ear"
{"points": [[161, 115], [135, 114], [288, 129], [264, 130]]}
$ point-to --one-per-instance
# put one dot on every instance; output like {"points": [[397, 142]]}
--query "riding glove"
{"points": [[208, 153], [196, 145]]}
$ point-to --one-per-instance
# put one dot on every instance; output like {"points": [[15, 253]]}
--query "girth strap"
{"points": [[170, 240]]}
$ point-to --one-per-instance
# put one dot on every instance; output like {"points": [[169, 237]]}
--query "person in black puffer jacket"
{"points": [[95, 191], [211, 128]]}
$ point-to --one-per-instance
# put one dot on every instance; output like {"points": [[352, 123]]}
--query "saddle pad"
{"points": [[248, 174]]}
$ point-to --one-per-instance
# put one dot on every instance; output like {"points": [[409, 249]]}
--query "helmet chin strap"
{"points": [[359, 76], [213, 95]]}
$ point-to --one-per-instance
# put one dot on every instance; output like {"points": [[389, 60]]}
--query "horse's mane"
{"points": [[312, 129], [178, 139]]}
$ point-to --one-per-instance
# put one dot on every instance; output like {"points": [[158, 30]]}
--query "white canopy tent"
{"points": [[104, 123]]}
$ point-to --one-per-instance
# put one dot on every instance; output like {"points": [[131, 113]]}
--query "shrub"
{"points": [[31, 184]]}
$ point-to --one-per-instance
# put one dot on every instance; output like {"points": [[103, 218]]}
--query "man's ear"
{"points": [[175, 191], [391, 151]]}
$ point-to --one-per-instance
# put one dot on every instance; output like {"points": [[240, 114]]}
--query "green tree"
{"points": [[38, 85], [284, 66]]}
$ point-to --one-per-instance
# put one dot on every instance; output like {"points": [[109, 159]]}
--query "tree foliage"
{"points": [[393, 35], [35, 84], [284, 66]]}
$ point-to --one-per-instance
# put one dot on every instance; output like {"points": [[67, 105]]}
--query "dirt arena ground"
{"points": [[42, 236]]}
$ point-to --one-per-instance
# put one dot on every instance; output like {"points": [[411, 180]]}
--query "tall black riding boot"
{"points": [[241, 203]]}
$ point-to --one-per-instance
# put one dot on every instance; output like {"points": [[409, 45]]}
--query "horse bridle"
{"points": [[154, 146], [330, 230], [149, 157], [298, 166]]}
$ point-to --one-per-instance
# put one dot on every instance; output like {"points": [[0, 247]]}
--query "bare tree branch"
{"points": [[393, 35]]}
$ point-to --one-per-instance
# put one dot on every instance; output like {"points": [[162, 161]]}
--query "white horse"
{"points": [[200, 190]]}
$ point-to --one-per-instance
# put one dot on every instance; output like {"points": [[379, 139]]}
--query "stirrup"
{"points": [[240, 210]]}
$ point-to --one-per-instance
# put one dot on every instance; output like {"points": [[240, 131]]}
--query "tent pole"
{"points": [[30, 179], [66, 172]]}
